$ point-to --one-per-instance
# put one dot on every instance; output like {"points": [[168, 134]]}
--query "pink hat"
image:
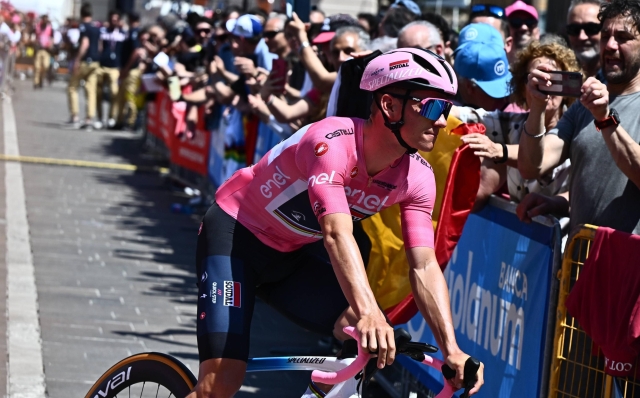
{"points": [[521, 6], [15, 18]]}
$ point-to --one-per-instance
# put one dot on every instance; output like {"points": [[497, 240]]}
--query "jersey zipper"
{"points": [[369, 182]]}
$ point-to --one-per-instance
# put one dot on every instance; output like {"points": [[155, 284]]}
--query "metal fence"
{"points": [[7, 65], [577, 369]]}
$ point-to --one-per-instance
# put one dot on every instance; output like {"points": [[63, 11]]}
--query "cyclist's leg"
{"points": [[226, 258]]}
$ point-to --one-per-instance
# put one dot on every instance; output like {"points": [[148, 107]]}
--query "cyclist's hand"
{"points": [[457, 362], [376, 335]]}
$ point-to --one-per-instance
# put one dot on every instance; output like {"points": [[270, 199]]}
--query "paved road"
{"points": [[113, 265]]}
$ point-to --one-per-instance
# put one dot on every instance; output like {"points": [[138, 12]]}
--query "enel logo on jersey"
{"points": [[276, 181], [231, 294]]}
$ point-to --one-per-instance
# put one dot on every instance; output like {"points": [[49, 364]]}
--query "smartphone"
{"points": [[239, 87], [566, 84], [289, 8], [279, 70], [162, 59]]}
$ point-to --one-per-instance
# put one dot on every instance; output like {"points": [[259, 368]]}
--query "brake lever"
{"points": [[471, 367]]}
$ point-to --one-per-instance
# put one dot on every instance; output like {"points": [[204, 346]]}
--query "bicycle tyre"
{"points": [[151, 367]]}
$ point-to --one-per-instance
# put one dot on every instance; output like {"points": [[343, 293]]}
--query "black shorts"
{"points": [[233, 267]]}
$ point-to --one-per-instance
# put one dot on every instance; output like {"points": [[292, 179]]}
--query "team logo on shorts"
{"points": [[200, 229], [354, 171], [320, 149], [231, 295], [202, 315]]}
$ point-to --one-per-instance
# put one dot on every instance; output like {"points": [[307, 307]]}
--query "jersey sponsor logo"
{"points": [[215, 292], [298, 216], [320, 149], [322, 178], [200, 229], [385, 185], [318, 209], [370, 202], [276, 181], [421, 160], [338, 133], [202, 315], [114, 383], [312, 360], [354, 172], [399, 64], [231, 294]]}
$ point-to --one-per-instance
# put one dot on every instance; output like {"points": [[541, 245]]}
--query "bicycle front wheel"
{"points": [[150, 374]]}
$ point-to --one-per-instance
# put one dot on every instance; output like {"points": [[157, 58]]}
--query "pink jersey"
{"points": [[321, 170]]}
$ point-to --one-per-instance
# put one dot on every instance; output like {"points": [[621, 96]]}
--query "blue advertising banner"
{"points": [[499, 279]]}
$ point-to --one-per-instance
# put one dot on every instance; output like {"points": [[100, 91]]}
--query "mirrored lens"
{"points": [[487, 9], [433, 108]]}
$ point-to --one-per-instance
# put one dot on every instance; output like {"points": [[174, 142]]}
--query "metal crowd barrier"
{"points": [[577, 368], [7, 64]]}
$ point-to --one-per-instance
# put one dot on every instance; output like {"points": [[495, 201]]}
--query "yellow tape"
{"points": [[83, 163]]}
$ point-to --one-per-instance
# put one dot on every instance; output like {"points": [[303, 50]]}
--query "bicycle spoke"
{"points": [[157, 390], [143, 383]]}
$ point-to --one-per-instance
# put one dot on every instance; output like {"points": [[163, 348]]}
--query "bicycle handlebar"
{"points": [[470, 369], [350, 371]]}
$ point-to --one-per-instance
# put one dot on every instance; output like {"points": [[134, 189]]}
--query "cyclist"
{"points": [[282, 229]]}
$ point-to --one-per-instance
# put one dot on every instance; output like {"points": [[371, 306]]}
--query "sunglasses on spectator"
{"points": [[486, 10], [205, 30], [518, 22], [270, 34], [590, 28]]}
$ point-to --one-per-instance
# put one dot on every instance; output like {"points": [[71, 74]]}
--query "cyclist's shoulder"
{"points": [[333, 132]]}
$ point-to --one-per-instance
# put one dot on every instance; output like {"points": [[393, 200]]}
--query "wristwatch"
{"points": [[612, 120]]}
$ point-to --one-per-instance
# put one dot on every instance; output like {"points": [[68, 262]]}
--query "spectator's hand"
{"points": [[595, 97], [538, 78], [535, 204], [219, 64], [456, 362], [483, 146], [299, 27], [255, 102], [376, 335], [245, 66], [272, 86]]}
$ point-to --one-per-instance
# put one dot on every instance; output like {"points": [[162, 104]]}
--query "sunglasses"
{"points": [[486, 10], [432, 108], [203, 30], [518, 22], [590, 28], [270, 34]]}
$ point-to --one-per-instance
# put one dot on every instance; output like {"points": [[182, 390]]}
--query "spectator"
{"points": [[449, 37], [421, 34], [409, 5], [43, 45], [494, 16], [112, 41], [247, 45], [523, 26], [583, 30], [322, 78], [317, 16], [369, 23], [599, 133], [85, 67], [483, 72], [129, 75], [277, 43], [499, 147], [395, 19]]}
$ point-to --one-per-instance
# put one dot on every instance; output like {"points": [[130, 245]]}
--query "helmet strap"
{"points": [[395, 126]]}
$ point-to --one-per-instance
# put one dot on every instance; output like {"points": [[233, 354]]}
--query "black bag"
{"points": [[353, 101]]}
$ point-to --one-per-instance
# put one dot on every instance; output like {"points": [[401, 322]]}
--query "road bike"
{"points": [[161, 375]]}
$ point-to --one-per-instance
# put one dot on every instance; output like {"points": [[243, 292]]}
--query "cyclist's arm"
{"points": [[432, 297], [376, 334]]}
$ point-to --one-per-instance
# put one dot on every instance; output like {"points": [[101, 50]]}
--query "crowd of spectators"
{"points": [[260, 76]]}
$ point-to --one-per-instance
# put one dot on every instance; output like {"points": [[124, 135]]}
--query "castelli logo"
{"points": [[354, 171], [499, 68], [321, 148]]}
